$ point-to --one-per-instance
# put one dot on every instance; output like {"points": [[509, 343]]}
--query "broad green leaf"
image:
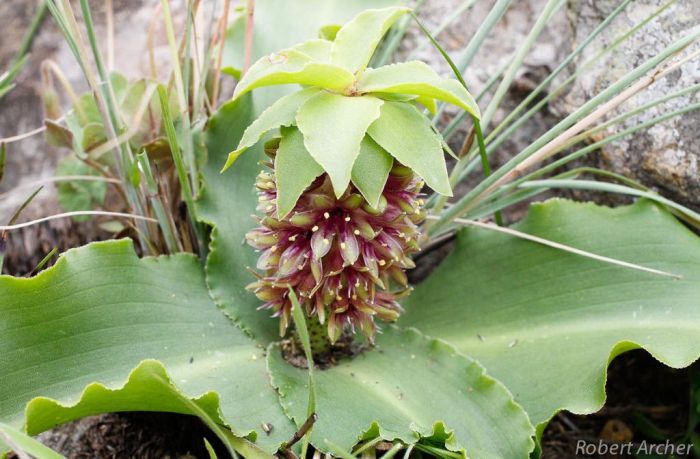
{"points": [[23, 443], [333, 128], [274, 31], [291, 66], [547, 323], [329, 32], [408, 136], [120, 85], [417, 78], [356, 41], [317, 49], [98, 313], [429, 103], [231, 219], [281, 113], [407, 388], [295, 169], [371, 170], [148, 385], [79, 194], [93, 134]]}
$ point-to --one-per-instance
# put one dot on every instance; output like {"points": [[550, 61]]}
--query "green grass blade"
{"points": [[43, 261], [13, 220], [465, 58], [339, 451], [591, 185], [393, 39], [549, 9], [472, 198], [24, 445], [609, 139], [303, 332], [627, 115], [507, 121], [392, 452], [496, 13], [452, 126], [443, 25], [477, 123], [31, 32], [175, 151], [158, 209], [3, 160], [513, 126]]}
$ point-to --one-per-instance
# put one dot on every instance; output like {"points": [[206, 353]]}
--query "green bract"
{"points": [[352, 117]]}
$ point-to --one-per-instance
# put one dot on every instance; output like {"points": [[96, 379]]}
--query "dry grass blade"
{"points": [[76, 214], [13, 219], [553, 146], [249, 22], [558, 246], [60, 178], [18, 137]]}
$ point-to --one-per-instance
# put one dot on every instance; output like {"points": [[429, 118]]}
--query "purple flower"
{"points": [[345, 260]]}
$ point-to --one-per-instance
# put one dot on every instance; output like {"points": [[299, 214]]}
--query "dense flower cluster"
{"points": [[345, 260]]}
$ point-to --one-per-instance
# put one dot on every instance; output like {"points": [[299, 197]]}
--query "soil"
{"points": [[133, 435], [639, 387]]}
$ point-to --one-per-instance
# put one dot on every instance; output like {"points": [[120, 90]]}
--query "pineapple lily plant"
{"points": [[343, 200], [516, 324]]}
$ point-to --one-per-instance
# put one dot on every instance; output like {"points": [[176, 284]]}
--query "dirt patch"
{"points": [[641, 391], [133, 435]]}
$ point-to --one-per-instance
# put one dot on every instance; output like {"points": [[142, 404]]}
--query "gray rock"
{"points": [[665, 157]]}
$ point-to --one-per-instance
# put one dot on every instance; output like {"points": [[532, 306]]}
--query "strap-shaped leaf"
{"points": [[356, 41], [295, 169], [547, 323], [371, 170], [281, 113], [291, 66], [408, 136], [417, 78], [333, 128], [99, 312], [406, 388]]}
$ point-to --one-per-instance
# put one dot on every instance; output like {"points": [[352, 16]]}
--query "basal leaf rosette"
{"points": [[341, 205]]}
